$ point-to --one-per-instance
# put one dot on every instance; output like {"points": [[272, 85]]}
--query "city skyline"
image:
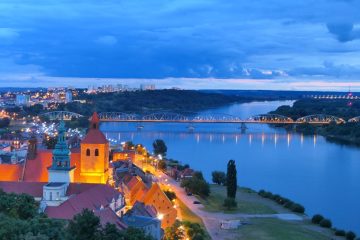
{"points": [[195, 44]]}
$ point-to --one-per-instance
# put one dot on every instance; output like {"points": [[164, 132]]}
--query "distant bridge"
{"points": [[168, 117], [61, 115]]}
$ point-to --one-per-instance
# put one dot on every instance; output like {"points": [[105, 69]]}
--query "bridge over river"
{"points": [[168, 117]]}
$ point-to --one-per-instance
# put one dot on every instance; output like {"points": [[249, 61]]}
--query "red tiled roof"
{"points": [[36, 170], [107, 215], [34, 189], [94, 136], [93, 198], [10, 172]]}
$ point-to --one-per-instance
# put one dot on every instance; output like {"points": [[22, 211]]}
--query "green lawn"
{"points": [[273, 229], [188, 215], [214, 203]]}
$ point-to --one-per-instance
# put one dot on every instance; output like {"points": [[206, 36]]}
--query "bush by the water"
{"points": [[340, 233], [325, 223], [297, 208], [287, 203], [317, 218], [350, 235]]}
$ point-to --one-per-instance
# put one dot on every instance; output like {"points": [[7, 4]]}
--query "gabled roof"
{"points": [[34, 189], [139, 221], [107, 215], [155, 188], [140, 209], [10, 172], [93, 198]]}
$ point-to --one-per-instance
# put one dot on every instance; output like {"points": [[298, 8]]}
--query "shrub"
{"points": [[289, 204], [297, 208], [340, 232], [230, 203], [268, 195], [317, 218], [325, 223], [261, 193], [171, 195], [350, 235]]}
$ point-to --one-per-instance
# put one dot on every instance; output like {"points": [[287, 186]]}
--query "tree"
{"points": [[159, 147], [134, 234], [171, 195], [325, 223], [230, 203], [218, 177], [350, 235], [175, 232], [129, 145], [110, 232], [84, 226], [4, 122], [195, 231], [197, 184], [317, 218], [162, 165], [231, 179]]}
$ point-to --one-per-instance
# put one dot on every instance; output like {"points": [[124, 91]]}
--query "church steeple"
{"points": [[94, 122], [61, 153]]}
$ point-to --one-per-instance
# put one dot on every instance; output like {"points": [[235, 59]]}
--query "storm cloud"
{"points": [[162, 39]]}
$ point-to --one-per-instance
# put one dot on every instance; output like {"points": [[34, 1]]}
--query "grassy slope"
{"points": [[272, 229], [250, 202], [244, 199]]}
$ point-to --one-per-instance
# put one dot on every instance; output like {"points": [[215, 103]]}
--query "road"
{"points": [[212, 220]]}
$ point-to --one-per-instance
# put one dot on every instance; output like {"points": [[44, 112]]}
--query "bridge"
{"points": [[168, 117], [61, 115]]}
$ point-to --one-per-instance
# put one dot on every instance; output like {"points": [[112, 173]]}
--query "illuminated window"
{"points": [[96, 152], [87, 152]]}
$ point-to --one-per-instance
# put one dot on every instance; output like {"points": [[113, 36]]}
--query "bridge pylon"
{"points": [[243, 127], [191, 127]]}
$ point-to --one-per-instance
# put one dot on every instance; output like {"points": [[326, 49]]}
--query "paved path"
{"points": [[212, 220]]}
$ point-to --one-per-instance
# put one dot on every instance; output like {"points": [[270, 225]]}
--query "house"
{"points": [[144, 217], [165, 208]]}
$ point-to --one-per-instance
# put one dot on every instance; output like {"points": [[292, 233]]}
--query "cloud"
{"points": [[344, 32], [107, 40], [258, 40]]}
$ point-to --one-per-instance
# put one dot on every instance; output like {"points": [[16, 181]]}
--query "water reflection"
{"points": [[223, 138]]}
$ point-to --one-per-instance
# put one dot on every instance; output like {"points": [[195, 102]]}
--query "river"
{"points": [[322, 176]]}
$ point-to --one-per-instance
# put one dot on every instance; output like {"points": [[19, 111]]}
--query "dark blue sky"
{"points": [[267, 44]]}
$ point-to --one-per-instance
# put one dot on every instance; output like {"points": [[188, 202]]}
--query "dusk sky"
{"points": [[195, 44]]}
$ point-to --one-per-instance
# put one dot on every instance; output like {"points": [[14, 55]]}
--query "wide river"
{"points": [[322, 176]]}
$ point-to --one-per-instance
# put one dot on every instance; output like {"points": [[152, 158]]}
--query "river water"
{"points": [[322, 176]]}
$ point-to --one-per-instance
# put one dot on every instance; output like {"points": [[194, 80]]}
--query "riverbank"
{"points": [[261, 218], [346, 133]]}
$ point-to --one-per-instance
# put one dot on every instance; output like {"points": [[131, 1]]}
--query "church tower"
{"points": [[60, 171], [94, 164]]}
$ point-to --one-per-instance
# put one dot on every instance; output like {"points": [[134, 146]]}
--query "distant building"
{"points": [[68, 97], [147, 87], [22, 100]]}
